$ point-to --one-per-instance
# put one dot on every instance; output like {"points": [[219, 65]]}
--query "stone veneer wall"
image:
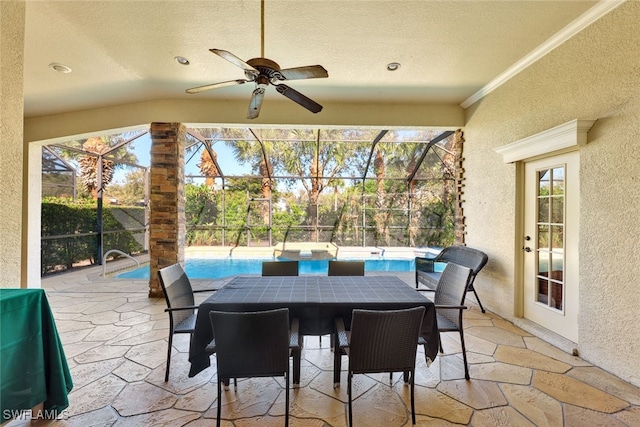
{"points": [[459, 168], [167, 228]]}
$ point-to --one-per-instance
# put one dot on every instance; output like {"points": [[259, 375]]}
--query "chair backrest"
{"points": [[346, 268], [177, 291], [452, 289], [465, 256], [280, 268], [251, 344], [384, 340]]}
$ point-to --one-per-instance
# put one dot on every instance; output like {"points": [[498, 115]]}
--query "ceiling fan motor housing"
{"points": [[266, 67]]}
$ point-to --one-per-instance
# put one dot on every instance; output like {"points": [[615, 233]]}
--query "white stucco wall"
{"points": [[11, 124], [595, 75]]}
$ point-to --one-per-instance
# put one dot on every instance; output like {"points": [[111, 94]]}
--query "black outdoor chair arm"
{"points": [[190, 307], [425, 264], [451, 307], [343, 339], [205, 290]]}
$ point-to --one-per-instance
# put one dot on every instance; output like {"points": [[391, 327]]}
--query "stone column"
{"points": [[167, 227], [460, 226]]}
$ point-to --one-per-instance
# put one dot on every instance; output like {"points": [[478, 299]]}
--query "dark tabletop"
{"points": [[315, 300]]}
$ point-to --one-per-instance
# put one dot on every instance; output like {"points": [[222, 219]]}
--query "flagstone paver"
{"points": [[606, 382], [569, 390], [501, 416], [530, 359], [577, 416], [496, 335], [538, 407], [478, 394], [501, 372]]}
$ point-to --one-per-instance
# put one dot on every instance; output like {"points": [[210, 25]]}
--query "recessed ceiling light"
{"points": [[181, 60], [393, 66], [60, 68]]}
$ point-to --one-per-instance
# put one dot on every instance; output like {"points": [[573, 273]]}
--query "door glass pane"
{"points": [[558, 181], [543, 263], [543, 236], [543, 291], [544, 177], [556, 295], [557, 236], [543, 209], [557, 267], [557, 210]]}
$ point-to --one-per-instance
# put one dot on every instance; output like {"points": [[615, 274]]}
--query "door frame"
{"points": [[561, 139]]}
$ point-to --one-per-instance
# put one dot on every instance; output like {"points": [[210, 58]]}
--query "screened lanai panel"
{"points": [[343, 159], [438, 162], [432, 216], [58, 177]]}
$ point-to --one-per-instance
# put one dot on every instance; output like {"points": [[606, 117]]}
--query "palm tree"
{"points": [[208, 166], [89, 165]]}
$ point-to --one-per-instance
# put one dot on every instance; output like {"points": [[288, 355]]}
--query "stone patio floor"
{"points": [[115, 340]]}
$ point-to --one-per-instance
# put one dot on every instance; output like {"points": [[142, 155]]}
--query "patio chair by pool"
{"points": [[381, 341], [461, 255], [254, 344], [346, 268], [280, 268], [449, 300], [181, 307]]}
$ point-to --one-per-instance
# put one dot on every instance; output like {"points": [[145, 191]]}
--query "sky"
{"points": [[226, 159]]}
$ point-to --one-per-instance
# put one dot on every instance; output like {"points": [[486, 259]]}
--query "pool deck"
{"points": [[115, 340]]}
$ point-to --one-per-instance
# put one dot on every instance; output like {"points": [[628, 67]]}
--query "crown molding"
{"points": [[590, 16], [567, 135]]}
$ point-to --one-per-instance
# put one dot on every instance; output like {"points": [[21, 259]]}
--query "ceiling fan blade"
{"points": [[255, 103], [235, 60], [299, 98], [217, 85], [308, 72]]}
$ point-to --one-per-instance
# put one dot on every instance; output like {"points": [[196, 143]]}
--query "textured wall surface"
{"points": [[11, 125], [595, 75]]}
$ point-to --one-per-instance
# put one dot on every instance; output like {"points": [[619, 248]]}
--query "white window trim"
{"points": [[567, 135]]}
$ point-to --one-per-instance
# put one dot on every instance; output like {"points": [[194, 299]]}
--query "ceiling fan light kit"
{"points": [[263, 72]]}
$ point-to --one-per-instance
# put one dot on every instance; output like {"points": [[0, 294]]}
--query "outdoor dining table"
{"points": [[316, 301]]}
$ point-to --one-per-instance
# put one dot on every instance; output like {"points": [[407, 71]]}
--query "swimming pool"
{"points": [[215, 268]]}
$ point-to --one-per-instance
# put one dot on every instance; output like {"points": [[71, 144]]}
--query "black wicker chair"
{"points": [[346, 268], [461, 255], [181, 307], [280, 268], [380, 341], [253, 344], [449, 301]]}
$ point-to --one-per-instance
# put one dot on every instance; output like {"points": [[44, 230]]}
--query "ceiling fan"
{"points": [[263, 72]]}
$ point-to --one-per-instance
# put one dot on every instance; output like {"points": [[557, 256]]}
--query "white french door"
{"points": [[551, 226]]}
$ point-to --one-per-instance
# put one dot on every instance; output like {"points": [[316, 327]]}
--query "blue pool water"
{"points": [[215, 268]]}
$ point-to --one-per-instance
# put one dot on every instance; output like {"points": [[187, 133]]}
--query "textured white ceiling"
{"points": [[122, 51]]}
